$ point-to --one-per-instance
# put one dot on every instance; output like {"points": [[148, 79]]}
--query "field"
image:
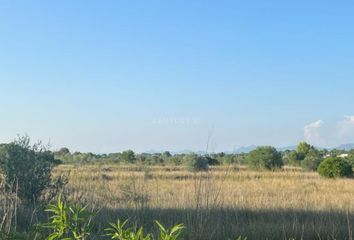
{"points": [[220, 204]]}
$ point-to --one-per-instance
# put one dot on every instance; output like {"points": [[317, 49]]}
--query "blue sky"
{"points": [[106, 76]]}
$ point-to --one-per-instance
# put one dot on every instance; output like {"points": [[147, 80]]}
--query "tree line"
{"points": [[305, 156], [27, 168]]}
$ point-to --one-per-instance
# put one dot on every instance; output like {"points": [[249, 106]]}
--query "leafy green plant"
{"points": [[241, 238], [170, 234], [67, 222], [27, 169], [264, 158], [197, 163], [334, 167], [120, 231], [312, 160], [21, 236]]}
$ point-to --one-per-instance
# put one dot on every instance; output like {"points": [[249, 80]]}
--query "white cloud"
{"points": [[350, 119], [346, 128], [312, 132]]}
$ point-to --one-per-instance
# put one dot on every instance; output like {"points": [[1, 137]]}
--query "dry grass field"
{"points": [[219, 204]]}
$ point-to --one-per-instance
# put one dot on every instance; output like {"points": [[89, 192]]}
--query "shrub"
{"points": [[334, 167], [266, 158], [297, 156], [72, 222], [350, 159], [128, 156], [170, 234], [120, 231], [67, 222], [212, 161], [303, 149], [197, 163], [27, 169], [312, 160], [292, 158]]}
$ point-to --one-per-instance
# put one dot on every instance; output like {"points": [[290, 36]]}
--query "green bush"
{"points": [[27, 169], [264, 158], [67, 222], [350, 159], [298, 156], [120, 231], [334, 167], [197, 163], [212, 161], [72, 222], [128, 156], [312, 160]]}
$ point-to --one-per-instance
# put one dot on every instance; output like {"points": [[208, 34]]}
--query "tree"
{"points": [[351, 152], [197, 163], [27, 169], [128, 156], [297, 156], [292, 158], [266, 158], [63, 151], [350, 159], [312, 160], [156, 159], [166, 154], [303, 149], [212, 161]]}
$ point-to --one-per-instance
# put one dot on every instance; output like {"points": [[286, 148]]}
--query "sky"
{"points": [[105, 76]]}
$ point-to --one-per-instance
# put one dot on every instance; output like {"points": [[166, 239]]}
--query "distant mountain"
{"points": [[152, 151], [291, 148], [186, 151], [346, 147], [246, 149], [250, 148]]}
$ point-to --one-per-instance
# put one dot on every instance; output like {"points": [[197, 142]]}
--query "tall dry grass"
{"points": [[221, 203], [8, 208], [109, 186]]}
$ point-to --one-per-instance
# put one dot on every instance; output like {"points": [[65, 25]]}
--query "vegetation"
{"points": [[312, 160], [334, 167], [307, 156], [73, 222], [27, 169], [273, 205], [161, 159], [264, 158], [197, 163], [67, 222], [219, 199]]}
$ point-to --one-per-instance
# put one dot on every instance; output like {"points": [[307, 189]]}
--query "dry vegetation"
{"points": [[219, 204]]}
